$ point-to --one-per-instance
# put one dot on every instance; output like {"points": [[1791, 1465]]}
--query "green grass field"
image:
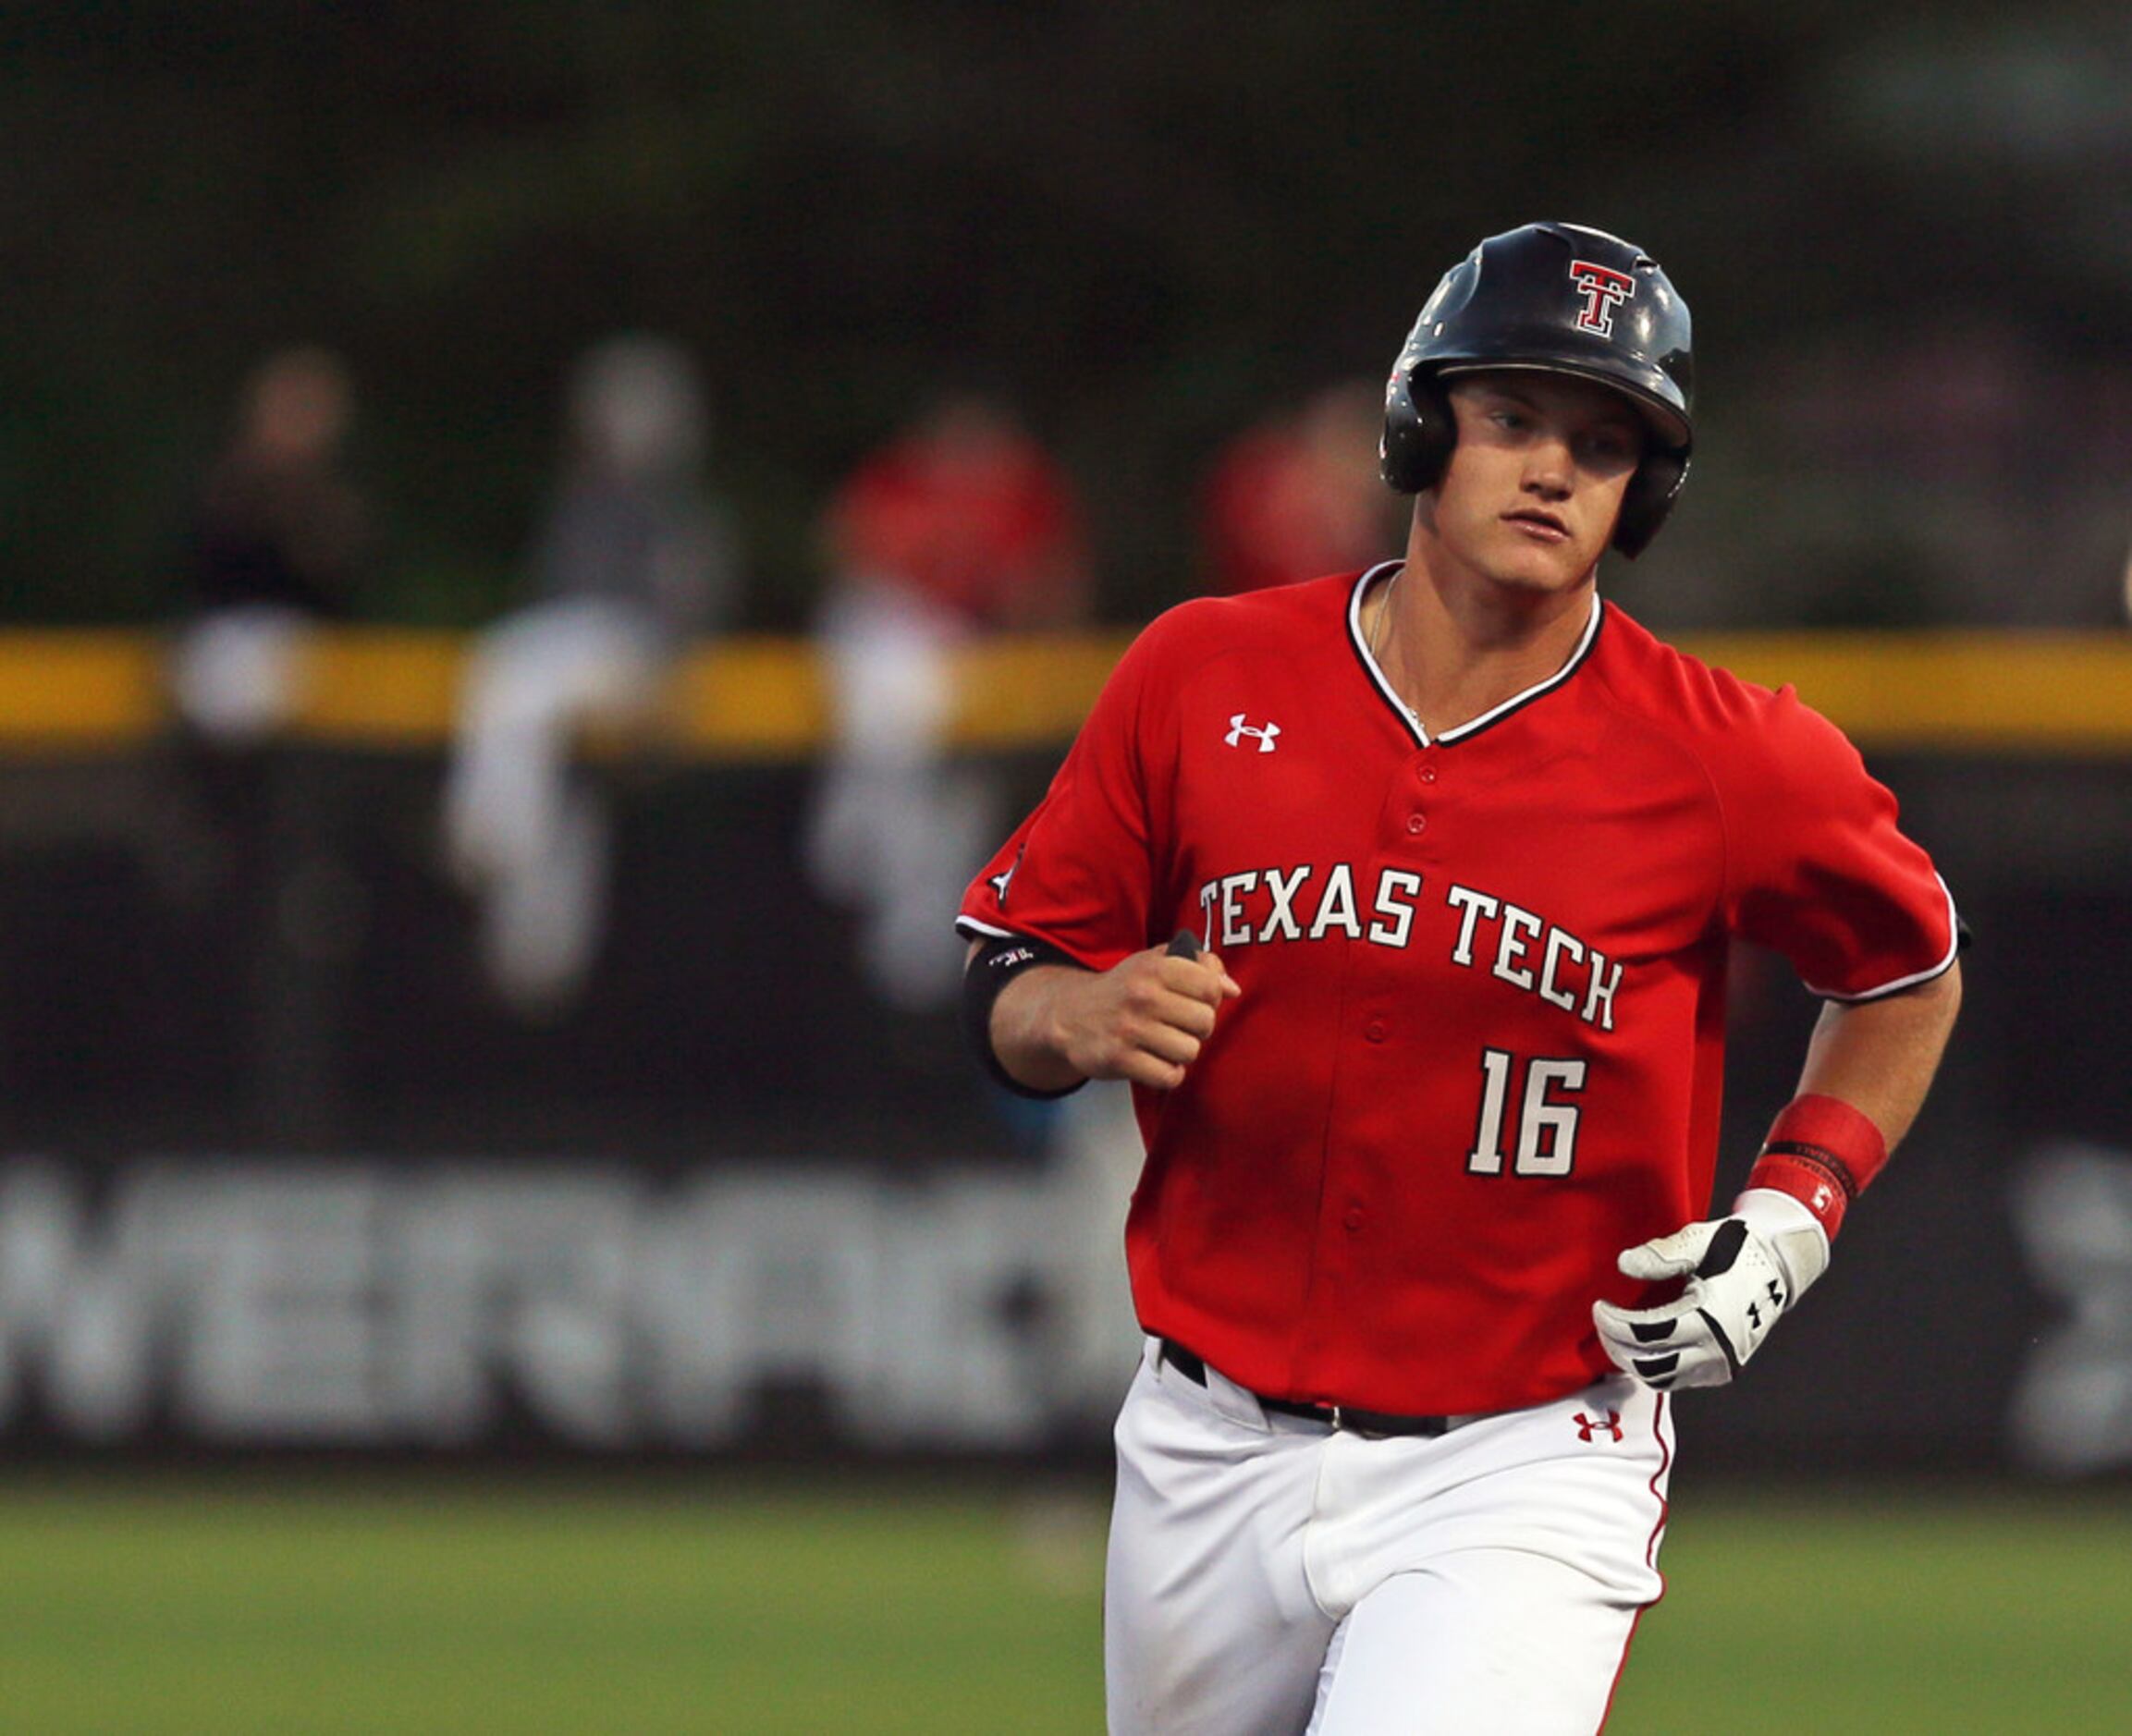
{"points": [[438, 1603]]}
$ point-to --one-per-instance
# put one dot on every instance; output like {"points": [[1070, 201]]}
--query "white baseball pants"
{"points": [[1269, 1577]]}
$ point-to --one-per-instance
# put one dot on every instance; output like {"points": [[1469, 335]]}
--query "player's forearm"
{"points": [[1028, 1035], [1879, 1056], [1144, 1019], [1868, 1069]]}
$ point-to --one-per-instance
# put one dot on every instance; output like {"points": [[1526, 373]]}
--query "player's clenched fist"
{"points": [[1144, 1019], [1742, 1273]]}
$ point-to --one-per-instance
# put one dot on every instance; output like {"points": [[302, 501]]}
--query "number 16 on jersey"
{"points": [[1545, 1126]]}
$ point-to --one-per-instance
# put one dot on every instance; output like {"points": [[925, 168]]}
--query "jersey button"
{"points": [[1417, 823], [1428, 774], [1353, 1218], [1374, 1031]]}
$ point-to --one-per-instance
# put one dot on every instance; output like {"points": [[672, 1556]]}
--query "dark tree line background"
{"points": [[1904, 239]]}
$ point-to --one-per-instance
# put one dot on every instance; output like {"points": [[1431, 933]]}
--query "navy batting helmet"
{"points": [[1565, 300]]}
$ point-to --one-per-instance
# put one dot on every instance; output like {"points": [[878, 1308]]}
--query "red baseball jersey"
{"points": [[1479, 1047]]}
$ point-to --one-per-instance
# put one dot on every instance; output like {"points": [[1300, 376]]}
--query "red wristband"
{"points": [[1822, 1152]]}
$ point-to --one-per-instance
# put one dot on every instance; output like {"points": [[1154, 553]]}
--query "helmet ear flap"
{"points": [[1648, 497], [1419, 431]]}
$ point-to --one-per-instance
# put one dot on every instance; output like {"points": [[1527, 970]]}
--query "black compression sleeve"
{"points": [[991, 968]]}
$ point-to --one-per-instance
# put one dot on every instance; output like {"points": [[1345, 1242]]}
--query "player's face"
{"points": [[1535, 484]]}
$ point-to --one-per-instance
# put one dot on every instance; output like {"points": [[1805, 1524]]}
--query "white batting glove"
{"points": [[1742, 1272]]}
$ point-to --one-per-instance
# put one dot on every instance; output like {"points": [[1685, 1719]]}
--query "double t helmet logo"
{"points": [[1604, 289]]}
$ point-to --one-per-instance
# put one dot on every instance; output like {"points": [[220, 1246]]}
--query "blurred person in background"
{"points": [[960, 527], [633, 559], [280, 544], [279, 541], [1298, 494]]}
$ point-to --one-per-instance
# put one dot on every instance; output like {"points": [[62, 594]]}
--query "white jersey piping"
{"points": [[1472, 725], [1915, 977]]}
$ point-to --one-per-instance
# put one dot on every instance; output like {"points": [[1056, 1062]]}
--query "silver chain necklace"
{"points": [[1377, 640], [1384, 619]]}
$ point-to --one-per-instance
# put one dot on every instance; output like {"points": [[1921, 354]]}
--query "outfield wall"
{"points": [[276, 1175]]}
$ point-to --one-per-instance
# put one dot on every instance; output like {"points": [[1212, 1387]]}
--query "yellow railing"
{"points": [[760, 698]]}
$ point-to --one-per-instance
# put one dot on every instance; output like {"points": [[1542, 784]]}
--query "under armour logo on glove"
{"points": [[1742, 1273], [1265, 737]]}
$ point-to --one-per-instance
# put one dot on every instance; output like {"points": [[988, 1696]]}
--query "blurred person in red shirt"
{"points": [[966, 511], [1299, 496], [960, 526]]}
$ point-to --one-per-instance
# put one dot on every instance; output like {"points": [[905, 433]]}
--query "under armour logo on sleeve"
{"points": [[1264, 736]]}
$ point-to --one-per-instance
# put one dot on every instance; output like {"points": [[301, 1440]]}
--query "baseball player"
{"points": [[1453, 852]]}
